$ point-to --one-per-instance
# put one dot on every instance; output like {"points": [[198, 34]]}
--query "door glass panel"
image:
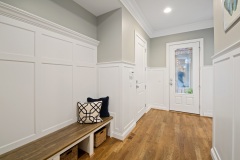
{"points": [[183, 69]]}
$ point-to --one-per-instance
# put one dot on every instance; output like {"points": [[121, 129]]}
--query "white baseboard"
{"points": [[207, 114], [214, 154], [122, 136], [159, 107], [147, 109]]}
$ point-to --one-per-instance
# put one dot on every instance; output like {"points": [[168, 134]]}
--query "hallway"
{"points": [[161, 135]]}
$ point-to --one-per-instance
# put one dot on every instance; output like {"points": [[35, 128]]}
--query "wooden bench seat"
{"points": [[54, 144]]}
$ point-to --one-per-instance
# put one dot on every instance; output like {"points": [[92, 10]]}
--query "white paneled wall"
{"points": [[206, 91], [157, 96], [45, 69], [116, 80], [236, 137], [158, 89], [226, 126]]}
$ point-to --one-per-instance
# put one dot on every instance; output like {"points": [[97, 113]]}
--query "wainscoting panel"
{"points": [[223, 101], [57, 89], [128, 99], [85, 54], [206, 90], [109, 85], [236, 139], [17, 102], [85, 83], [56, 48], [16, 40], [40, 82], [117, 80], [226, 126], [156, 88]]}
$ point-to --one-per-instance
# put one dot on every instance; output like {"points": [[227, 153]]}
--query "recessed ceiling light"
{"points": [[167, 10]]}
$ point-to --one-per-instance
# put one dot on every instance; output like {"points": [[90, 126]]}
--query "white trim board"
{"points": [[214, 154]]}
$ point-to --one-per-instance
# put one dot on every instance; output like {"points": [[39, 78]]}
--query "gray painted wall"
{"points": [[129, 26], [109, 33], [116, 33], [63, 12], [223, 39], [157, 57]]}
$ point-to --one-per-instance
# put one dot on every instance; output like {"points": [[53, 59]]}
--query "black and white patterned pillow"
{"points": [[89, 112]]}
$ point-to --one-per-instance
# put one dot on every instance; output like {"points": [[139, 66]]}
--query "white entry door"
{"points": [[184, 77], [140, 61]]}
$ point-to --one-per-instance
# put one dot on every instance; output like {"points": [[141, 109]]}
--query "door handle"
{"points": [[171, 83], [137, 86]]}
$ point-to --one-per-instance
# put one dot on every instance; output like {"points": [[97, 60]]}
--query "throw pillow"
{"points": [[89, 112], [104, 110]]}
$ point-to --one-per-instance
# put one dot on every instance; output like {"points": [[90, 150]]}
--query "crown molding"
{"points": [[184, 28], [26, 17], [136, 12]]}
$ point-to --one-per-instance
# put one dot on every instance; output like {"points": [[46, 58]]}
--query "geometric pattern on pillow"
{"points": [[89, 112]]}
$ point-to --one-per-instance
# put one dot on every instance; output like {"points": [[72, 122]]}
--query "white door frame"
{"points": [[201, 52], [145, 76]]}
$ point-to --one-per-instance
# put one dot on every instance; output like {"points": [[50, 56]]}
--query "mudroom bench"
{"points": [[51, 146]]}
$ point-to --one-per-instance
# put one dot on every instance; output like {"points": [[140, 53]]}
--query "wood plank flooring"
{"points": [[161, 135]]}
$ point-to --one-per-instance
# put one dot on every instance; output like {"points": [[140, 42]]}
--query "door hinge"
{"points": [[145, 105], [145, 86]]}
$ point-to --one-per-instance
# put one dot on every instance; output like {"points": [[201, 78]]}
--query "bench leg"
{"points": [[87, 145], [109, 129]]}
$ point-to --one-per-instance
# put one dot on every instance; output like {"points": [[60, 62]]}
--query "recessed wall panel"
{"points": [[84, 54], [17, 117], [16, 40], [56, 102], [56, 48], [108, 85], [156, 87], [223, 103], [86, 83], [237, 108]]}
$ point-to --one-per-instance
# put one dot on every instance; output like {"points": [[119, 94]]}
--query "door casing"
{"points": [[138, 116]]}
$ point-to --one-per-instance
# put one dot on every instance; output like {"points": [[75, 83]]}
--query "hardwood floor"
{"points": [[161, 135]]}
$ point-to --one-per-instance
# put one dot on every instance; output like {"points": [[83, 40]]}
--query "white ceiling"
{"points": [[186, 15], [99, 7]]}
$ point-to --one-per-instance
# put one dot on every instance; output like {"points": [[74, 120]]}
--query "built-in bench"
{"points": [[53, 145]]}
